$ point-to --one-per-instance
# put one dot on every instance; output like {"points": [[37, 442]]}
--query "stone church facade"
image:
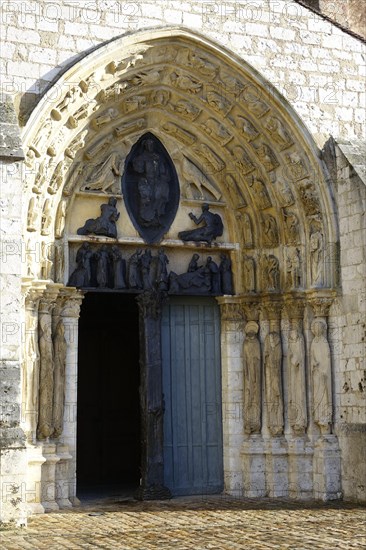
{"points": [[162, 160]]}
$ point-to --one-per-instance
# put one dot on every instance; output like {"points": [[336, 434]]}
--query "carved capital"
{"points": [[321, 302], [295, 306], [150, 303], [230, 309], [272, 309], [251, 309], [70, 303]]}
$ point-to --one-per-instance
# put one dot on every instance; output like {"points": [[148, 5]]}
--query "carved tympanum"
{"points": [[105, 224]]}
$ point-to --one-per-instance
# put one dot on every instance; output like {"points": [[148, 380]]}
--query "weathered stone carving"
{"points": [[30, 365], [309, 198], [46, 260], [234, 192], [195, 179], [145, 264], [134, 273], [46, 217], [249, 274], [59, 263], [77, 143], [292, 227], [226, 275], [46, 375], [252, 379], [260, 193], [179, 133], [195, 281], [160, 98], [119, 268], [247, 129], [135, 103], [102, 144], [151, 188], [40, 177], [60, 219], [242, 160], [273, 382], [214, 160], [162, 278], [59, 350], [185, 82], [79, 114], [81, 276], [58, 177], [320, 361], [296, 168], [267, 157], [212, 228], [270, 273], [214, 128], [285, 195], [42, 138], [102, 266], [245, 226], [105, 224], [297, 385], [278, 133], [270, 231], [218, 102], [186, 109], [33, 214], [105, 118], [316, 257], [106, 177], [293, 268], [73, 178], [255, 105]]}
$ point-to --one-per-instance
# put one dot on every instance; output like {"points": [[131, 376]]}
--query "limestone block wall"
{"points": [[351, 348], [318, 67]]}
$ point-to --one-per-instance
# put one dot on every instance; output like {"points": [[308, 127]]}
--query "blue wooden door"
{"points": [[193, 461]]}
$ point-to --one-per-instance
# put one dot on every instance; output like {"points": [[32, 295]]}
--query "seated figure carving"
{"points": [[105, 224], [212, 227]]}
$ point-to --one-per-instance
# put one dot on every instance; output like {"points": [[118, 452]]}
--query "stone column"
{"points": [[151, 397], [46, 387], [70, 312], [30, 364], [253, 451], [232, 391], [327, 460], [299, 447], [30, 398], [276, 445]]}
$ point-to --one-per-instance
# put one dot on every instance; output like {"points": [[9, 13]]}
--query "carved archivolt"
{"points": [[234, 143]]}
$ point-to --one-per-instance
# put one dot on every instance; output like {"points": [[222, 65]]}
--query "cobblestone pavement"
{"points": [[194, 523]]}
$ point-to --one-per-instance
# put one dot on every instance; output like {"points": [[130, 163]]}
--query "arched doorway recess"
{"points": [[238, 146]]}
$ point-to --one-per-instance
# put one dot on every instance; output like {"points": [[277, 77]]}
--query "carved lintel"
{"points": [[321, 302], [230, 309]]}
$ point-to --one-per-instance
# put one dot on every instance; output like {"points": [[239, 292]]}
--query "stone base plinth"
{"points": [[254, 467], [152, 492], [327, 468], [48, 479], [276, 467], [300, 470]]}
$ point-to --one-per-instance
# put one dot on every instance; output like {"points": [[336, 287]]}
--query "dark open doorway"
{"points": [[108, 417]]}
